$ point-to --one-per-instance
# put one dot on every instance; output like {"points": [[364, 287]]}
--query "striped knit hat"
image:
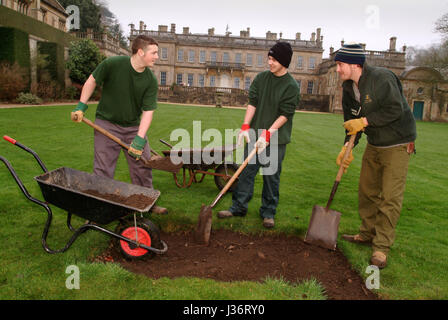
{"points": [[351, 54]]}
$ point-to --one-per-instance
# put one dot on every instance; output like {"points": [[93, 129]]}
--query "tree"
{"points": [[435, 56], [442, 25], [84, 57]]}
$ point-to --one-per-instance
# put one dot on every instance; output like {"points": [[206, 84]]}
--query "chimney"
{"points": [[186, 30], [318, 34], [163, 28], [248, 32], [141, 25], [271, 36], [393, 44], [331, 50], [313, 36], [298, 35], [211, 31], [342, 42], [363, 45], [173, 28], [404, 48]]}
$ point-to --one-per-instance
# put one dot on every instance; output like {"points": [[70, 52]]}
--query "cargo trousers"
{"points": [[106, 154], [381, 188], [243, 192]]}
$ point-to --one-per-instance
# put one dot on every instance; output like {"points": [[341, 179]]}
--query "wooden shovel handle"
{"points": [[349, 148], [111, 136], [234, 177], [351, 143]]}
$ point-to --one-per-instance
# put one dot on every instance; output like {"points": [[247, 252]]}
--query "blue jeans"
{"points": [[271, 182]]}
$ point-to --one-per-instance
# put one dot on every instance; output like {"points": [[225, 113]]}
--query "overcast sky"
{"points": [[372, 22]]}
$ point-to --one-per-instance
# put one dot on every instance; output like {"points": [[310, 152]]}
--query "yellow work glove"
{"points": [[347, 161], [355, 125]]}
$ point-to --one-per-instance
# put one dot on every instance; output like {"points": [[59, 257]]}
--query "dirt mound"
{"points": [[232, 256]]}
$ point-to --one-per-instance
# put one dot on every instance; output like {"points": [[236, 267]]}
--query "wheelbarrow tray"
{"points": [[66, 188]]}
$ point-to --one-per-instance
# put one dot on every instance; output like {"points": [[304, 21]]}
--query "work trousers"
{"points": [[381, 188], [271, 182], [107, 152]]}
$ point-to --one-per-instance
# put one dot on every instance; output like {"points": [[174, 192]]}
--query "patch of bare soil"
{"points": [[233, 256]]}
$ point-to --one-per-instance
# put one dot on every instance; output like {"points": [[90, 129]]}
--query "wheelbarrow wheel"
{"points": [[148, 234], [229, 170]]}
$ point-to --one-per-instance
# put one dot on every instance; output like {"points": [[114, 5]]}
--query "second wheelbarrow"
{"points": [[194, 168]]}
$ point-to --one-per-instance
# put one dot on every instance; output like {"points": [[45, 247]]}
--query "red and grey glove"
{"points": [[244, 133], [263, 141]]}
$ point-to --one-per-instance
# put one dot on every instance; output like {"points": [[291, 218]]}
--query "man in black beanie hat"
{"points": [[273, 98], [373, 102]]}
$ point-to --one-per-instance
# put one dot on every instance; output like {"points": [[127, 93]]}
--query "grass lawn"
{"points": [[417, 261]]}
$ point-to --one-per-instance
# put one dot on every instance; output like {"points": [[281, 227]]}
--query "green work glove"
{"points": [[347, 161], [355, 125], [137, 146], [78, 113]]}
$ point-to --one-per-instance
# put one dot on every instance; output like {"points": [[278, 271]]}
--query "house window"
{"points": [[259, 60], [309, 90], [163, 78], [236, 82], [247, 83], [190, 79], [249, 59], [213, 56], [226, 58], [237, 57], [212, 81], [299, 83], [299, 62], [179, 79], [312, 63], [420, 90], [164, 54], [202, 56], [180, 55], [201, 80], [190, 55]]}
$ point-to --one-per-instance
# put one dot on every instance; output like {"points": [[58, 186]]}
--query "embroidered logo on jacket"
{"points": [[367, 99]]}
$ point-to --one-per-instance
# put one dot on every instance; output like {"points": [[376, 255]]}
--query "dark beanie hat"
{"points": [[282, 52], [351, 54]]}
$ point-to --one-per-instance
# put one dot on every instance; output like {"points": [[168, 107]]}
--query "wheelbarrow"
{"points": [[195, 172], [100, 201]]}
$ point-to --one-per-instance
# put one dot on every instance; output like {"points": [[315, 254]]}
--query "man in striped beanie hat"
{"points": [[373, 103]]}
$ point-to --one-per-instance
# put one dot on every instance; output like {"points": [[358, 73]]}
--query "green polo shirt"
{"points": [[126, 93]]}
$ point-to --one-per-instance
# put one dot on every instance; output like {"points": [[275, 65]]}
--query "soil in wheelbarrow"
{"points": [[232, 256], [139, 201]]}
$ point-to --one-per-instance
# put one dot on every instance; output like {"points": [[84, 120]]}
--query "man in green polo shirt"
{"points": [[128, 101], [273, 98], [373, 103]]}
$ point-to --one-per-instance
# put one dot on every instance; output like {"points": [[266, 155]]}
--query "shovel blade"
{"points": [[323, 228], [163, 164], [204, 226]]}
